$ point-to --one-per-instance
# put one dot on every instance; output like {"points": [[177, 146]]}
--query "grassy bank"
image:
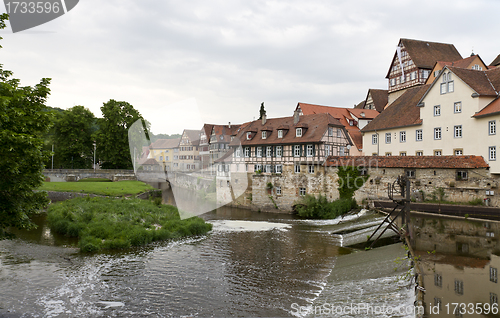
{"points": [[312, 207], [118, 188], [110, 223]]}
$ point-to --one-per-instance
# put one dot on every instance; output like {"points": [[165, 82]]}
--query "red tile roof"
{"points": [[317, 126], [193, 135], [477, 80], [343, 115], [363, 113], [402, 112], [380, 98], [492, 108], [150, 161], [421, 162], [496, 61]]}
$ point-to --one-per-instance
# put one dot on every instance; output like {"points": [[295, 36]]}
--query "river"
{"points": [[250, 265]]}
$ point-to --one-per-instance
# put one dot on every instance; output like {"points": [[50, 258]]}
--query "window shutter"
{"points": [[254, 167], [314, 150], [302, 150], [273, 154]]}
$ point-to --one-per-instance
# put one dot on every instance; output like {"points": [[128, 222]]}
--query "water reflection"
{"points": [[460, 261]]}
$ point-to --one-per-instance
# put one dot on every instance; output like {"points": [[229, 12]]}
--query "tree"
{"points": [[73, 138], [262, 111], [22, 126], [112, 138]]}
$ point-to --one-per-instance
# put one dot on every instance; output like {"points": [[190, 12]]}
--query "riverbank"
{"points": [[116, 189], [110, 223]]}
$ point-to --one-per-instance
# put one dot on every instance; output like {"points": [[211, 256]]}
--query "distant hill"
{"points": [[154, 137]]}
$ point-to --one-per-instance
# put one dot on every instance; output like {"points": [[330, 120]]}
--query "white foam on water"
{"points": [[337, 220], [243, 226]]}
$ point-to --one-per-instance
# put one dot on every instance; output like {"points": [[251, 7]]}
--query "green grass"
{"points": [[320, 208], [111, 223], [118, 188]]}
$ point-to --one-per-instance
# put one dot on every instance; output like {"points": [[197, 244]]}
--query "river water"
{"points": [[252, 264]]}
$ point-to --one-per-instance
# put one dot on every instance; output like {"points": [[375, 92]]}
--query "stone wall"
{"points": [[71, 175]]}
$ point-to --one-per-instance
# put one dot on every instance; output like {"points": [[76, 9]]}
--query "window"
{"points": [[402, 153], [339, 132], [296, 151], [279, 151], [374, 139], [327, 150], [462, 175], [247, 152], [278, 190], [493, 275], [458, 131], [302, 191], [269, 169], [437, 152], [238, 152], [258, 167], [387, 138], [410, 173], [492, 127], [458, 152], [419, 153], [264, 134], [297, 168], [402, 79], [259, 152], [493, 298], [249, 135], [388, 154], [402, 136], [310, 151], [419, 135], [437, 303], [330, 131], [457, 108], [298, 132], [437, 110], [311, 168], [279, 168], [492, 153], [438, 280], [269, 151], [437, 133], [447, 85], [161, 158], [459, 287], [341, 151], [280, 133]]}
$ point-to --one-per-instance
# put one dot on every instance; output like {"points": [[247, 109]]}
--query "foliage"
{"points": [[269, 185], [477, 201], [73, 138], [117, 188], [22, 123], [262, 111], [112, 138], [349, 181], [106, 223], [154, 137], [438, 194], [320, 208]]}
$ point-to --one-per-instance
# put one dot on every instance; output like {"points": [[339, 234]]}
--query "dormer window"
{"points": [[264, 134], [280, 133], [298, 132], [249, 135]]}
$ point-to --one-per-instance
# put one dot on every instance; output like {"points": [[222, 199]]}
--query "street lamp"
{"points": [[94, 153]]}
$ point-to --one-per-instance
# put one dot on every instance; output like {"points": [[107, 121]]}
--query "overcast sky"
{"points": [[182, 63]]}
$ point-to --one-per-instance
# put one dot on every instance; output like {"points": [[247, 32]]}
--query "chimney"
{"points": [[264, 119], [229, 124], [295, 117]]}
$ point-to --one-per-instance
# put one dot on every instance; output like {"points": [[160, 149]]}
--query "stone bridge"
{"points": [[68, 175]]}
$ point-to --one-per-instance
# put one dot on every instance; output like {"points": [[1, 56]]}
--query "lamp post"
{"points": [[94, 153], [52, 156]]}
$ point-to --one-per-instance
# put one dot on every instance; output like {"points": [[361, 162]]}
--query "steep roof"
{"points": [[363, 113], [422, 162], [317, 125], [496, 61], [224, 131], [165, 143], [425, 53], [402, 112], [477, 80], [150, 161], [361, 105], [194, 136], [380, 98], [342, 115]]}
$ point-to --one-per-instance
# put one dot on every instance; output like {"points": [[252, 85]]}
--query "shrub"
{"points": [[107, 223], [320, 208], [349, 181]]}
